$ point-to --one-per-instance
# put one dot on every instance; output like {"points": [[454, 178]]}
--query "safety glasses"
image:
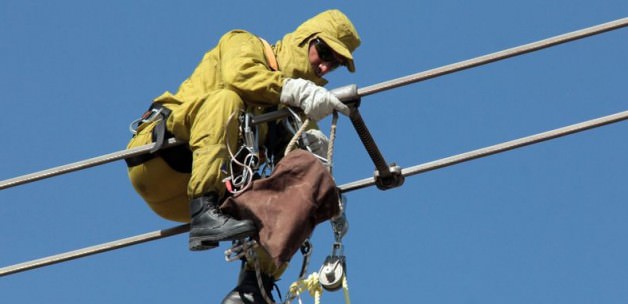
{"points": [[325, 53]]}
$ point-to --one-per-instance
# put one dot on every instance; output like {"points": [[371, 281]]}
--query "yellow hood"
{"points": [[331, 26]]}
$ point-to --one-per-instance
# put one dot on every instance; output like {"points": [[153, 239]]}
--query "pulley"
{"points": [[332, 273]]}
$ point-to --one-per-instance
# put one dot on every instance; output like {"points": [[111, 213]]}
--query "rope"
{"points": [[258, 275], [332, 139], [234, 159], [309, 284], [312, 285], [293, 142], [345, 289]]}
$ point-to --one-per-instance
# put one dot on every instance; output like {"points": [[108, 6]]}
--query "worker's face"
{"points": [[322, 58]]}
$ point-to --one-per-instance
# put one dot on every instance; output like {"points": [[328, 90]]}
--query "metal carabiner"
{"points": [[251, 140], [149, 116], [239, 249], [340, 224]]}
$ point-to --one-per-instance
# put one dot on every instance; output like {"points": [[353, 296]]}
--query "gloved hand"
{"points": [[315, 101], [318, 142]]}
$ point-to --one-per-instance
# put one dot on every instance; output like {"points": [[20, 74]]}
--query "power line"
{"points": [[79, 253], [478, 61], [503, 147], [437, 164], [386, 85], [84, 164], [346, 187]]}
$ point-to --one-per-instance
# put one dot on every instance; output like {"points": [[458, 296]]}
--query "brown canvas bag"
{"points": [[299, 194]]}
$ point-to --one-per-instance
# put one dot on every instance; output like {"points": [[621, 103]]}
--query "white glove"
{"points": [[318, 142], [315, 101]]}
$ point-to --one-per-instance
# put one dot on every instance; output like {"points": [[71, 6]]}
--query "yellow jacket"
{"points": [[238, 62]]}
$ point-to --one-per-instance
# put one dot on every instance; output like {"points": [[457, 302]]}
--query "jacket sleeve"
{"points": [[245, 70]]}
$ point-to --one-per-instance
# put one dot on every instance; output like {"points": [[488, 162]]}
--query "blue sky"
{"points": [[542, 224]]}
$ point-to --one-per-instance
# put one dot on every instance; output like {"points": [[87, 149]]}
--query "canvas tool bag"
{"points": [[286, 206]]}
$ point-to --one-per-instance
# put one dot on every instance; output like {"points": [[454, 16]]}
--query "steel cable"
{"points": [[386, 85], [426, 167]]}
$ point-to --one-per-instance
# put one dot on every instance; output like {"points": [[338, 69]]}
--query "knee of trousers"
{"points": [[216, 119], [162, 188], [204, 115]]}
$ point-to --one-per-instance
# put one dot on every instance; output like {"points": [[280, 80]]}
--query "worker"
{"points": [[242, 73]]}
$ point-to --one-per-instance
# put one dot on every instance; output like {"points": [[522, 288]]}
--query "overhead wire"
{"points": [[382, 86], [441, 163], [508, 53], [352, 186]]}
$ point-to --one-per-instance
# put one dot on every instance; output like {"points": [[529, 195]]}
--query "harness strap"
{"points": [[270, 56], [159, 132], [178, 158]]}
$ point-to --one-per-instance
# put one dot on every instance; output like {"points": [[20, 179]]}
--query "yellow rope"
{"points": [[312, 285], [309, 284], [345, 289]]}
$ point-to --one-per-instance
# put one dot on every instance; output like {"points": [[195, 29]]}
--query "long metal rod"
{"points": [[437, 164], [515, 51], [387, 85]]}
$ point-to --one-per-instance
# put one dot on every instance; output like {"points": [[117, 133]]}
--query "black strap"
{"points": [[159, 134], [159, 131], [179, 158]]}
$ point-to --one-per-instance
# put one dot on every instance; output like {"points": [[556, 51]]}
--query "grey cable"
{"points": [[441, 163]]}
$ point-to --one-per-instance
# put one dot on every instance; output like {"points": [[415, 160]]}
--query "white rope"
{"points": [[332, 139], [245, 179], [293, 141]]}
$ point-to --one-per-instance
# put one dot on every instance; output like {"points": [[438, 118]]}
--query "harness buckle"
{"points": [[149, 116]]}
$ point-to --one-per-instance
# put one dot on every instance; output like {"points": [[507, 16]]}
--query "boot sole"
{"points": [[231, 235], [205, 242]]}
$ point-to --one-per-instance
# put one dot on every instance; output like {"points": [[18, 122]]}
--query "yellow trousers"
{"points": [[203, 124]]}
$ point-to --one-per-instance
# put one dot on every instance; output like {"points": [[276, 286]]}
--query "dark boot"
{"points": [[248, 292], [208, 225]]}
